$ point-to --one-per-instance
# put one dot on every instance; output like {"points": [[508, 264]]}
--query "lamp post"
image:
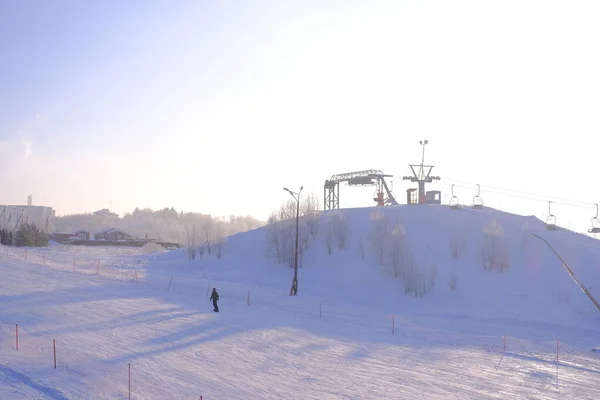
{"points": [[296, 196]]}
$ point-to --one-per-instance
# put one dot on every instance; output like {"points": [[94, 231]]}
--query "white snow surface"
{"points": [[351, 333]]}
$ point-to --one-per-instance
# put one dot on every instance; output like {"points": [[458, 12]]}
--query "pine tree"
{"points": [[29, 235]]}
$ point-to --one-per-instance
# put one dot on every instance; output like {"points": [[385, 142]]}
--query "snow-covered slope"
{"points": [[352, 333]]}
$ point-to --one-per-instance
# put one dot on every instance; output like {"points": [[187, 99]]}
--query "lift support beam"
{"points": [[358, 178]]}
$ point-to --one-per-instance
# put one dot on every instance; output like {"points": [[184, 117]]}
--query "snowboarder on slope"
{"points": [[214, 297]]}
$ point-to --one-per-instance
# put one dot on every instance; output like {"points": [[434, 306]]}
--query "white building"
{"points": [[10, 215]]}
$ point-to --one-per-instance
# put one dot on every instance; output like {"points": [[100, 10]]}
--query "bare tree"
{"points": [[379, 236], [430, 265], [494, 250], [304, 238], [339, 229], [399, 252], [361, 247], [201, 250], [280, 236], [457, 246], [208, 228], [413, 280], [452, 281], [220, 240], [273, 237], [310, 204], [312, 223], [433, 272], [329, 238], [288, 242], [190, 235]]}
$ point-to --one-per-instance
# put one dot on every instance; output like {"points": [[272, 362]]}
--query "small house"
{"points": [[82, 235], [112, 234]]}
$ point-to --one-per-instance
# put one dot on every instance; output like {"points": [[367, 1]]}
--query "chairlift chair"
{"points": [[477, 202], [454, 205], [551, 220], [595, 223]]}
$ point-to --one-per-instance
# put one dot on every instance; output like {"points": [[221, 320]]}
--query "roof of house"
{"points": [[108, 230], [105, 231], [105, 211]]}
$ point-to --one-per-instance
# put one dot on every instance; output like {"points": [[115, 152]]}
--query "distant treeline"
{"points": [[167, 224]]}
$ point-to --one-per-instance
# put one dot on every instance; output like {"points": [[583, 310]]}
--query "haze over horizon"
{"points": [[215, 108]]}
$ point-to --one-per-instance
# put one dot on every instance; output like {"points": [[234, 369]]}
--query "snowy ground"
{"points": [[151, 311]]}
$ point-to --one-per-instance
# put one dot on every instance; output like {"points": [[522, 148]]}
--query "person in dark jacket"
{"points": [[214, 297]]}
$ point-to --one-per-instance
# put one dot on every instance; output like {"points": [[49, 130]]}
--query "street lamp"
{"points": [[296, 196]]}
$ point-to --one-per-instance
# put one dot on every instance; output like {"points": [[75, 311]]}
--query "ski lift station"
{"points": [[421, 175]]}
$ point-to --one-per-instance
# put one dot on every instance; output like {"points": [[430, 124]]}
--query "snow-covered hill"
{"points": [[403, 307]]}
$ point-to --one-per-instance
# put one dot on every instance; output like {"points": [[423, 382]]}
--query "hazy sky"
{"points": [[215, 106]]}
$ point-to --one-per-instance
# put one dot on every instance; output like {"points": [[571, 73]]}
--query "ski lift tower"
{"points": [[423, 175]]}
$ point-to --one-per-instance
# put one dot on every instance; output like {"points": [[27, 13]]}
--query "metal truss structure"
{"points": [[359, 178]]}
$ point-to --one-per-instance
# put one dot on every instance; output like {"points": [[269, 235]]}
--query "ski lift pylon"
{"points": [[595, 223], [477, 202], [551, 220], [454, 205]]}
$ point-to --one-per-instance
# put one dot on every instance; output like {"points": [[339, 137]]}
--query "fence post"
{"points": [[129, 373], [393, 325], [248, 299], [98, 267], [320, 311], [17, 336], [54, 346], [25, 254], [207, 288], [73, 264], [504, 343], [170, 279]]}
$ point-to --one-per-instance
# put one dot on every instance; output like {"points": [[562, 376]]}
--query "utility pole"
{"points": [[296, 196]]}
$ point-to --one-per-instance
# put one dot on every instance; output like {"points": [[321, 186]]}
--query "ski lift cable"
{"points": [[523, 195], [517, 193], [512, 195]]}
